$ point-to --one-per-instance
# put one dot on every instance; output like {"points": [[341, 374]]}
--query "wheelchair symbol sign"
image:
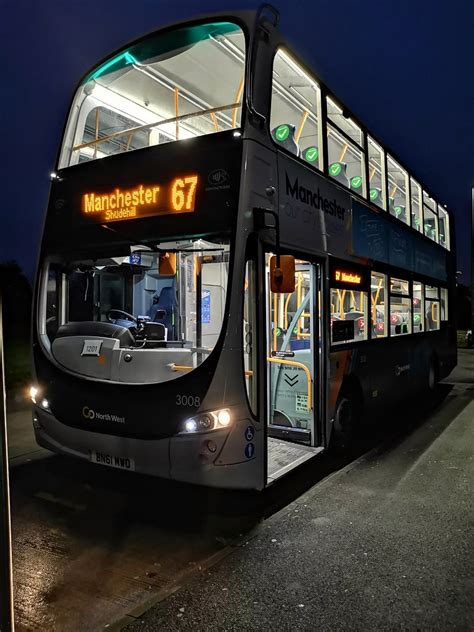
{"points": [[249, 433]]}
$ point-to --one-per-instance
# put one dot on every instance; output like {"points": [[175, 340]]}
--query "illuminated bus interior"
{"points": [[298, 126], [174, 86], [166, 306]]}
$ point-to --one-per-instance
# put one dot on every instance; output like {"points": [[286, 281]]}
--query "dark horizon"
{"points": [[401, 58]]}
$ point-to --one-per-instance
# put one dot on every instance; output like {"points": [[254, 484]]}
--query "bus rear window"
{"points": [[172, 86]]}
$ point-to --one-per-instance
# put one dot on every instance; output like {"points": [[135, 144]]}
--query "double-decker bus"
{"points": [[234, 272]]}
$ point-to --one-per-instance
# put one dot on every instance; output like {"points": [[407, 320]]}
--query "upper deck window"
{"points": [[181, 84], [345, 153], [398, 201], [296, 110]]}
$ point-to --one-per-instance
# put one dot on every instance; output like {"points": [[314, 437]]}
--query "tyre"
{"points": [[346, 419]]}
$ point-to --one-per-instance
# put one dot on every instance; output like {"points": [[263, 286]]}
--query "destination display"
{"points": [[176, 196], [344, 274]]}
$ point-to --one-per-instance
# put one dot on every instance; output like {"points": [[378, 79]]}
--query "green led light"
{"points": [[335, 169], [416, 318], [278, 332], [374, 194], [398, 211], [295, 330], [127, 57], [356, 182], [282, 132], [311, 154]]}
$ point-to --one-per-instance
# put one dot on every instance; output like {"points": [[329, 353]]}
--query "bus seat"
{"points": [[311, 154], [356, 183], [163, 310], [415, 221], [399, 212], [337, 170], [376, 196], [284, 135], [391, 205]]}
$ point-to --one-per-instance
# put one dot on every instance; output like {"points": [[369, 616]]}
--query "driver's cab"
{"points": [[147, 316]]}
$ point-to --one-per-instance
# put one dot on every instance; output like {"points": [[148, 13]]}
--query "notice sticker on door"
{"points": [[301, 402]]}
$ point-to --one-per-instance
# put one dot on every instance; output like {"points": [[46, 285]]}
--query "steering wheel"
{"points": [[116, 314]]}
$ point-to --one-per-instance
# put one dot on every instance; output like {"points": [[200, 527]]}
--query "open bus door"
{"points": [[293, 358]]}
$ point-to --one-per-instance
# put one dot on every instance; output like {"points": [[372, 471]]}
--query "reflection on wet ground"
{"points": [[92, 544]]}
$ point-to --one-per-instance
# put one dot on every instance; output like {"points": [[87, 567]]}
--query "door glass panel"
{"points": [[291, 335]]}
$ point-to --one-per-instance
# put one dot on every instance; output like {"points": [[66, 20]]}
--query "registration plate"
{"points": [[120, 462], [91, 347]]}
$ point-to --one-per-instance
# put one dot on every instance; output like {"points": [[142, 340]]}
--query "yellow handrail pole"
{"points": [[97, 113], [275, 322], [343, 296], [300, 365], [374, 169], [343, 152], [182, 117], [377, 298], [215, 121], [298, 303], [176, 110], [287, 301], [300, 128], [238, 96]]}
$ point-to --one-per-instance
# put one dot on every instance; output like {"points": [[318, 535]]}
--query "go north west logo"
{"points": [[88, 413]]}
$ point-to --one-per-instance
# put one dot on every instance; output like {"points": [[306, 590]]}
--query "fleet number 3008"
{"points": [[188, 400]]}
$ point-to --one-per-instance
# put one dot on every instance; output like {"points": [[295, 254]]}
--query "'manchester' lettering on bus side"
{"points": [[314, 199], [123, 202]]}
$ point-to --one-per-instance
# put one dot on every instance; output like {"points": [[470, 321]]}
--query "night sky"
{"points": [[403, 67]]}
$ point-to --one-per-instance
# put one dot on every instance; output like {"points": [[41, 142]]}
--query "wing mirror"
{"points": [[282, 274], [167, 264]]}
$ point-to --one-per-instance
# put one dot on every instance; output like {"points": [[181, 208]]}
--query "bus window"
{"points": [[171, 323], [378, 287], [398, 202], [443, 220], [430, 217], [376, 174], [346, 158], [416, 214], [399, 286], [400, 307], [249, 333], [349, 306], [418, 301], [432, 310], [184, 83], [444, 303], [295, 120]]}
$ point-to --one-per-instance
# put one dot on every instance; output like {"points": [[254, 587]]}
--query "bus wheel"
{"points": [[346, 419]]}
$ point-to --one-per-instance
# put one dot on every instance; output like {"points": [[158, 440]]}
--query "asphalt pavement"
{"points": [[386, 543]]}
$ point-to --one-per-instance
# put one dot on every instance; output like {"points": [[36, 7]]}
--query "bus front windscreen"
{"points": [[169, 86], [147, 316]]}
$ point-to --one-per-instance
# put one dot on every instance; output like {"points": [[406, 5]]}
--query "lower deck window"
{"points": [[418, 307], [400, 315], [348, 316]]}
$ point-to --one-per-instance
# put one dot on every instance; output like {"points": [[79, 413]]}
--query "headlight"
{"points": [[208, 421], [37, 397], [34, 392]]}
